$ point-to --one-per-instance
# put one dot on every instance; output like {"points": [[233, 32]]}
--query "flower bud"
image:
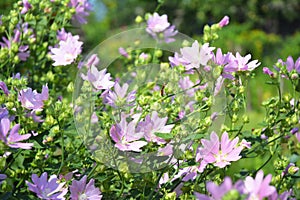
{"points": [[294, 76], [293, 170], [138, 19], [158, 53]]}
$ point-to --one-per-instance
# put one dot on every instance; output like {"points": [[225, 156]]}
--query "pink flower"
{"points": [[156, 23], [224, 21], [242, 62], [13, 139], [159, 25], [119, 97], [67, 51], [218, 153], [81, 190], [154, 124], [33, 100], [47, 189], [259, 187], [125, 136], [82, 8], [99, 79], [196, 55]]}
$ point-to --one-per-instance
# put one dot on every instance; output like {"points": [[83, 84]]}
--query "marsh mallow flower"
{"points": [[13, 138], [32, 100], [4, 88], [81, 190], [120, 97], [47, 189], [154, 124], [259, 187], [82, 8], [125, 136], [99, 79], [67, 51], [219, 153]]}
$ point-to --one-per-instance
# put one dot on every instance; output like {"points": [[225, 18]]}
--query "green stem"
{"points": [[62, 152]]}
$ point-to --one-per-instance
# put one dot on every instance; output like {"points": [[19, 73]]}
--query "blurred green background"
{"points": [[268, 29]]}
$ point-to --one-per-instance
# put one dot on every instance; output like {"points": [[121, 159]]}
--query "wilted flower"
{"points": [[259, 187], [47, 189], [67, 51], [33, 100], [125, 136], [99, 79], [81, 190], [219, 153], [82, 8], [13, 139]]}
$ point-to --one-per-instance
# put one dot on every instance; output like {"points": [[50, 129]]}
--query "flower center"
{"points": [[82, 197]]}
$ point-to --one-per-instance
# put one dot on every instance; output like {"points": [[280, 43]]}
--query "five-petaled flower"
{"points": [[67, 51], [99, 79], [259, 187], [13, 138], [219, 153], [33, 100], [119, 97], [47, 189], [81, 190], [154, 124], [125, 135]]}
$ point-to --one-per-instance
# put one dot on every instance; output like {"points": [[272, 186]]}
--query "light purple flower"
{"points": [[295, 131], [81, 190], [217, 192], [186, 84], [24, 52], [13, 138], [157, 24], [224, 21], [290, 65], [62, 35], [268, 72], [26, 6], [154, 124], [119, 96], [47, 189], [33, 100], [93, 60], [196, 55], [286, 195], [219, 153], [82, 8], [242, 63], [123, 52], [2, 178], [169, 33], [125, 136], [219, 58], [177, 60], [67, 51], [99, 79], [3, 87], [259, 187]]}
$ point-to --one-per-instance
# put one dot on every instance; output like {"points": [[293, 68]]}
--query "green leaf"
{"points": [[166, 136]]}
